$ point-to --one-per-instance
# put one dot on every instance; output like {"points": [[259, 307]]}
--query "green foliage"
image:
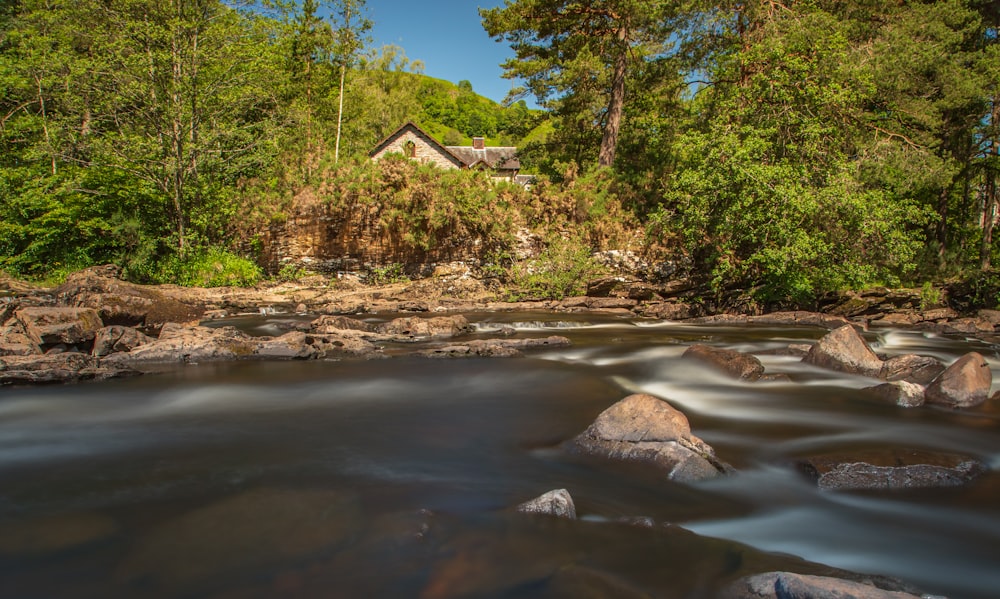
{"points": [[930, 296], [212, 267], [290, 272], [386, 275], [561, 270]]}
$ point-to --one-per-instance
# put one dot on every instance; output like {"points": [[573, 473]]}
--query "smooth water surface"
{"points": [[394, 477]]}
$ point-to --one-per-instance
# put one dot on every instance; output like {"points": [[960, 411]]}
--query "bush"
{"points": [[386, 275], [562, 270], [212, 267]]}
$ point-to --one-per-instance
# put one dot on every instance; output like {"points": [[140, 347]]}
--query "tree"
{"points": [[352, 29], [576, 56]]}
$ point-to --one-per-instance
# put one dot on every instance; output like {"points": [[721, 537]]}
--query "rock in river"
{"points": [[844, 350], [557, 503], [787, 585], [736, 364], [892, 470], [645, 428], [964, 384]]}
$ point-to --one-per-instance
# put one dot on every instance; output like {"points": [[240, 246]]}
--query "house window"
{"points": [[409, 149]]}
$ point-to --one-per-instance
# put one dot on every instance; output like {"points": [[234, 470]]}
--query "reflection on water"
{"points": [[392, 478]]}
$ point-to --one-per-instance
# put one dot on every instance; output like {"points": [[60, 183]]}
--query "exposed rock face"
{"points": [[964, 384], [666, 310], [644, 428], [117, 338], [892, 470], [786, 585], [793, 318], [47, 326], [557, 503], [901, 393], [736, 364], [438, 326], [911, 368], [844, 350]]}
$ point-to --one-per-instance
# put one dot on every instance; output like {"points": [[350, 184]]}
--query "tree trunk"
{"points": [[177, 132], [340, 113], [990, 199], [616, 104]]}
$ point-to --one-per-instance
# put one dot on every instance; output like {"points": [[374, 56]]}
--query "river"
{"points": [[394, 477]]}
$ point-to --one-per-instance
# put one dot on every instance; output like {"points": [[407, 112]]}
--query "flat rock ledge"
{"points": [[644, 428], [892, 470], [787, 585]]}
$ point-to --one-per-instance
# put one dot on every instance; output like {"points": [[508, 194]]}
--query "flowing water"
{"points": [[394, 477]]}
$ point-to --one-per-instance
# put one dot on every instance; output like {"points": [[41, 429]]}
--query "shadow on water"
{"points": [[393, 478]]}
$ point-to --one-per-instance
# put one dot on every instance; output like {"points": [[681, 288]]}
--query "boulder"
{"points": [[844, 350], [736, 364], [343, 343], [117, 338], [787, 585], [966, 383], [119, 302], [438, 326], [901, 393], [49, 326], [557, 503], [180, 344], [294, 345], [647, 429], [911, 368], [891, 470]]}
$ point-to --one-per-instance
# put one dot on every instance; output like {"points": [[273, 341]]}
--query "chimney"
{"points": [[478, 143]]}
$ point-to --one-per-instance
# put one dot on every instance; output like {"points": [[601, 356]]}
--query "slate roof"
{"points": [[500, 158]]}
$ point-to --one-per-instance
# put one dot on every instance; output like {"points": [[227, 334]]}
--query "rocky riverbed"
{"points": [[96, 327]]}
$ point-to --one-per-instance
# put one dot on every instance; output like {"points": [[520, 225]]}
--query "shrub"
{"points": [[211, 267], [561, 270]]}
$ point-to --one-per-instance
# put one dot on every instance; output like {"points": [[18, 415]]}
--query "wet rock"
{"points": [[54, 534], [294, 345], [119, 302], [666, 311], [786, 585], [966, 383], [215, 314], [911, 368], [736, 364], [851, 306], [59, 325], [793, 318], [438, 326], [117, 338], [14, 341], [57, 368], [466, 351], [257, 529], [332, 323], [557, 503], [796, 350], [343, 343], [346, 307], [414, 307], [647, 429], [844, 350], [901, 393], [891, 470]]}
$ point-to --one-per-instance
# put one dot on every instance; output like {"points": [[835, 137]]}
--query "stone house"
{"points": [[413, 142]]}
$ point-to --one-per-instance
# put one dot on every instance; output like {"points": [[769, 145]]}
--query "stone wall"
{"points": [[425, 149]]}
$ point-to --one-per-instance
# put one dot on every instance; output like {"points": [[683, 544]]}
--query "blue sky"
{"points": [[448, 36]]}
